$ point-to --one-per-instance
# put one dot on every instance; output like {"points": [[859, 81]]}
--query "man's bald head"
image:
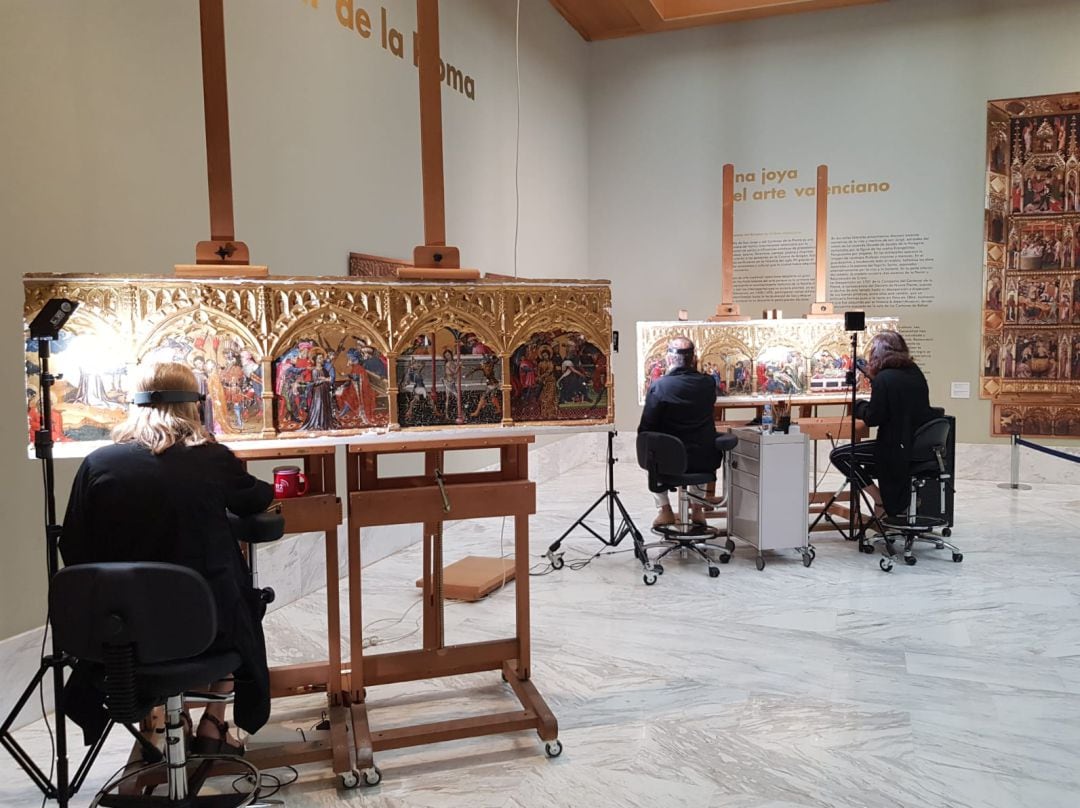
{"points": [[680, 353]]}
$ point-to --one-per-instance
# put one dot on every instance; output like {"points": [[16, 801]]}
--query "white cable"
{"points": [[517, 134]]}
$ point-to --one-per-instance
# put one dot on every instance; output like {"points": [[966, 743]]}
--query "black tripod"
{"points": [[855, 530], [610, 497], [45, 328]]}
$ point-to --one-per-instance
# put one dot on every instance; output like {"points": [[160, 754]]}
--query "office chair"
{"points": [[664, 458], [148, 626], [929, 464]]}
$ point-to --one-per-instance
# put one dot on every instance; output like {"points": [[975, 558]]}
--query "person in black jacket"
{"points": [[899, 404], [680, 403], [160, 493]]}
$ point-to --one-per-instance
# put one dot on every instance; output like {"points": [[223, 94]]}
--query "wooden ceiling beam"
{"points": [[610, 19]]}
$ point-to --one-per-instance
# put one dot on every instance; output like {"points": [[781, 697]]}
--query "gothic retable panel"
{"points": [[1030, 362], [307, 356], [756, 359]]}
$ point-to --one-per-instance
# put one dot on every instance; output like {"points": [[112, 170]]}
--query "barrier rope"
{"points": [[1047, 450]]}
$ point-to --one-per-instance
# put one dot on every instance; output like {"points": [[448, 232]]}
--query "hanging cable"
{"points": [[517, 131]]}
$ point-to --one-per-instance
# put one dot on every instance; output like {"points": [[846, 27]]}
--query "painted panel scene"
{"points": [[449, 377], [1040, 355], [729, 368], [227, 371], [330, 380], [558, 376], [1044, 244], [1041, 145], [780, 371], [91, 397]]}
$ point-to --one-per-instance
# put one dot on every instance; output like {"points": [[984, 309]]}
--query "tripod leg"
{"points": [[7, 740], [580, 521]]}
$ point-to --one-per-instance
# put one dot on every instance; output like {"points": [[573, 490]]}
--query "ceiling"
{"points": [[609, 19]]}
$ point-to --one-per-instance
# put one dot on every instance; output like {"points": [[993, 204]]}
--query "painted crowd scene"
{"points": [[323, 356]]}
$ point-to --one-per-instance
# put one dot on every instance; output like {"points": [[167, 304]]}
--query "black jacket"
{"points": [[128, 504], [899, 404], [681, 404]]}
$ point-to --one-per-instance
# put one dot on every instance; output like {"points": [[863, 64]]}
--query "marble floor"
{"points": [[936, 685]]}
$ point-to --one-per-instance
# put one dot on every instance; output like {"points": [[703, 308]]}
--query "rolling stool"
{"points": [[927, 466], [664, 458], [259, 528]]}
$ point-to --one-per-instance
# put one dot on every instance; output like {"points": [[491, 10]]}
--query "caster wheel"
{"points": [[649, 578], [946, 532], [371, 777], [714, 572], [725, 558], [911, 561], [866, 548], [553, 748], [940, 545], [813, 551], [760, 563], [730, 545], [350, 779], [807, 559], [885, 564], [557, 562], [658, 569], [957, 557]]}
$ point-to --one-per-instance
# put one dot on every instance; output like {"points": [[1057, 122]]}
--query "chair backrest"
{"points": [[162, 611], [930, 442], [660, 455]]}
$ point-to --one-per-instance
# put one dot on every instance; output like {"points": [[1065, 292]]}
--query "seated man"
{"points": [[680, 403]]}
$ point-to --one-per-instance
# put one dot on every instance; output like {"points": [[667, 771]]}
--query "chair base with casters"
{"points": [[144, 651], [913, 530], [664, 458], [927, 467]]}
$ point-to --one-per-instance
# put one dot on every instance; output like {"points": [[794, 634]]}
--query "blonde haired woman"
{"points": [[160, 493]]}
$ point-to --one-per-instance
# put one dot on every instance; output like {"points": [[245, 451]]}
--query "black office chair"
{"points": [[148, 626], [929, 465], [664, 458], [259, 528]]}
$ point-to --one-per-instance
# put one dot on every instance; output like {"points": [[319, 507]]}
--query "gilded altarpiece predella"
{"points": [[282, 357], [1030, 363]]}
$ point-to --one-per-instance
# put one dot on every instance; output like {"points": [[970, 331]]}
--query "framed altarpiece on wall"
{"points": [[1030, 363], [284, 357]]}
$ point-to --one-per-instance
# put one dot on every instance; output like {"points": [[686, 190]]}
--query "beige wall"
{"points": [[893, 92], [104, 165]]}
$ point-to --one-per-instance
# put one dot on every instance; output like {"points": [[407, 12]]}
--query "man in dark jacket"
{"points": [[680, 403]]}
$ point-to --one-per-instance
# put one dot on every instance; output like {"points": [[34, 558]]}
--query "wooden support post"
{"points": [[434, 260], [222, 254], [728, 308], [821, 307]]}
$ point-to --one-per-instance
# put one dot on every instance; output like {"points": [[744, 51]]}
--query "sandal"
{"points": [[205, 745]]}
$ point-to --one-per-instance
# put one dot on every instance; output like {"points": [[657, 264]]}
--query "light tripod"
{"points": [[45, 328], [610, 498]]}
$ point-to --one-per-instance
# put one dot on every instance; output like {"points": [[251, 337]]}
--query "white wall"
{"points": [[102, 143], [893, 92]]}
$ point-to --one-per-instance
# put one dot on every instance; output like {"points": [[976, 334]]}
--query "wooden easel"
{"points": [[434, 259], [222, 255], [433, 498], [821, 306], [728, 310], [317, 511]]}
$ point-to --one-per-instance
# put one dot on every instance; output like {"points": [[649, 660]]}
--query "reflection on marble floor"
{"points": [[937, 685]]}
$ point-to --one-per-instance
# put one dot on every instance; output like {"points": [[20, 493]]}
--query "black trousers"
{"points": [[856, 462]]}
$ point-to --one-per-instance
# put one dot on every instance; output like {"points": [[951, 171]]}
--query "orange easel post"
{"points": [[434, 259], [821, 307], [728, 309], [222, 255]]}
